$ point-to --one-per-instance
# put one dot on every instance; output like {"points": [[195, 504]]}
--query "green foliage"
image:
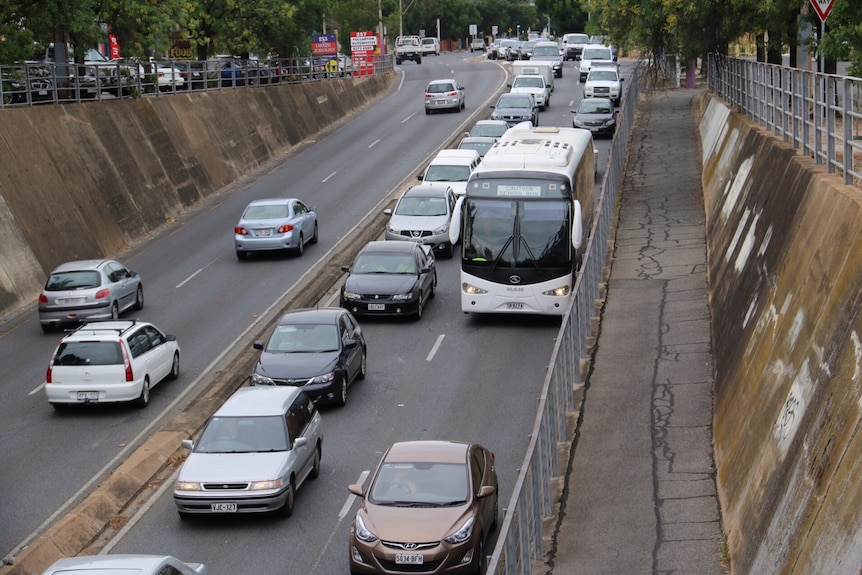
{"points": [[843, 40]]}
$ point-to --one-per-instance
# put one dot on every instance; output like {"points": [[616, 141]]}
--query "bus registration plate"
{"points": [[409, 559], [514, 305]]}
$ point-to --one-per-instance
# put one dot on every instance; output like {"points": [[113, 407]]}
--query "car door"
{"points": [[304, 219], [426, 275], [481, 475], [351, 357], [158, 356], [297, 424], [121, 281]]}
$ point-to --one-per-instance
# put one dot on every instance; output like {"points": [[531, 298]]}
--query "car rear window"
{"points": [[73, 280], [88, 353]]}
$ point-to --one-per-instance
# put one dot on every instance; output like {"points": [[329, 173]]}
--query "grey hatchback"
{"points": [[88, 290]]}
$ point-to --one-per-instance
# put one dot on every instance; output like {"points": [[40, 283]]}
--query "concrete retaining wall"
{"points": [[91, 180], [784, 245]]}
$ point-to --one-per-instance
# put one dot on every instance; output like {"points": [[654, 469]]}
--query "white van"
{"points": [[430, 46], [451, 168]]}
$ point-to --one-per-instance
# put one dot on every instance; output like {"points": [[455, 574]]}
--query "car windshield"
{"points": [[419, 206], [379, 263], [426, 484], [603, 76], [73, 281], [243, 435], [596, 54], [489, 130], [588, 106], [545, 51], [88, 353], [303, 338], [528, 82], [481, 147], [447, 174], [266, 212], [440, 88], [514, 102]]}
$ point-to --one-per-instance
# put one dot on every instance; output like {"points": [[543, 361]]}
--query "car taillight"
{"points": [[240, 231], [284, 229], [48, 374], [103, 293], [129, 375], [43, 298], [452, 94]]}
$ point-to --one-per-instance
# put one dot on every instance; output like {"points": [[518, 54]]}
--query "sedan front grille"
{"points": [[428, 567], [224, 486], [415, 233]]}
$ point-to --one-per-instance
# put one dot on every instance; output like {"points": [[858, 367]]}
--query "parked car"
{"points": [[168, 76], [430, 46], [226, 71], [390, 278], [109, 362], [451, 169], [275, 224], [193, 73], [252, 456], [88, 290], [27, 83], [321, 350], [604, 82], [131, 564], [445, 94], [477, 44], [429, 506], [516, 108], [596, 115], [423, 211], [490, 128], [479, 143]]}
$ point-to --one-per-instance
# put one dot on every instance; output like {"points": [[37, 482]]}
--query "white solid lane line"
{"points": [[435, 347]]}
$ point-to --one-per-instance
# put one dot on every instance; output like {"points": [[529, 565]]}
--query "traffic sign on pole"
{"points": [[822, 7]]}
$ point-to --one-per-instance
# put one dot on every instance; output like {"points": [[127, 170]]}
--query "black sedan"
{"points": [[596, 115], [321, 350], [390, 278]]}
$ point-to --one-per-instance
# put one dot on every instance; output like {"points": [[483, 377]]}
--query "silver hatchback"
{"points": [[423, 214], [88, 290], [445, 94]]}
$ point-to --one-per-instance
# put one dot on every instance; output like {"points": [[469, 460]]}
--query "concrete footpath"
{"points": [[640, 495]]}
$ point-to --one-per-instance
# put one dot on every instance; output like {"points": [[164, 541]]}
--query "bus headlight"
{"points": [[561, 291], [471, 289]]}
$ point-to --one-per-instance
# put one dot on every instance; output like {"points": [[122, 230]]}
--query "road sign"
{"points": [[822, 7]]}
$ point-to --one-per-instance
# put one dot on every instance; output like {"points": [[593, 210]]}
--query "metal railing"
{"points": [[520, 540], [33, 83], [820, 115]]}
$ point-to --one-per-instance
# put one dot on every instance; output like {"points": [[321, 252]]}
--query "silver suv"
{"points": [[253, 454]]}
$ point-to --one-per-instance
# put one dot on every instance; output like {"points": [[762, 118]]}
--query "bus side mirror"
{"points": [[577, 226]]}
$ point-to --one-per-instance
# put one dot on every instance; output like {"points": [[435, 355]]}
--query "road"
{"points": [[470, 388]]}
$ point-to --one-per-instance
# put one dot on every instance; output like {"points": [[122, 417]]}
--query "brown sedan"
{"points": [[429, 508]]}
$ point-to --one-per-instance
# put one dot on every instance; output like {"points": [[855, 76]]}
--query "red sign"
{"points": [[113, 47], [362, 42], [822, 7]]}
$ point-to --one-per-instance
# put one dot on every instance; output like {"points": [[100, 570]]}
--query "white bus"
{"points": [[525, 219]]}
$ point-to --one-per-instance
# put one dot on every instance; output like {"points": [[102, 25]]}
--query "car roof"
{"points": [[127, 561], [452, 156], [79, 265], [427, 190], [390, 246], [270, 201], [311, 315], [428, 451], [478, 139], [259, 400], [443, 81], [111, 329]]}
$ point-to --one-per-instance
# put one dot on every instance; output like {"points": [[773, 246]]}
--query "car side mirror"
{"points": [[300, 442], [419, 177], [388, 211], [345, 269], [350, 343], [485, 491], [258, 344], [170, 337], [355, 489], [188, 444]]}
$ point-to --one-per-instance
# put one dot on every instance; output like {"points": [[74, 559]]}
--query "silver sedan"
{"points": [[140, 564], [275, 224]]}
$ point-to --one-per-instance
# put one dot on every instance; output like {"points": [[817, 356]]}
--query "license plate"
{"points": [[376, 307], [43, 92], [441, 102], [71, 300], [261, 233], [409, 559], [514, 305], [88, 396], [223, 507]]}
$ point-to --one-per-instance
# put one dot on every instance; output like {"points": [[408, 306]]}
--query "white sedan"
{"points": [[138, 564]]}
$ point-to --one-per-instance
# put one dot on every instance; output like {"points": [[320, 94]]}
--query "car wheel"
{"points": [[241, 255], [46, 327], [144, 399], [419, 306], [300, 247], [115, 311], [449, 251], [341, 400], [60, 406], [398, 60], [185, 516], [495, 521], [427, 112], [139, 298], [315, 465], [289, 500], [314, 237], [482, 561], [175, 367], [418, 60], [433, 287], [363, 365]]}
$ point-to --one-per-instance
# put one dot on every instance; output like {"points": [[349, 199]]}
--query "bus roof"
{"points": [[538, 148]]}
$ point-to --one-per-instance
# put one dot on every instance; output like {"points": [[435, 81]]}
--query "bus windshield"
{"points": [[518, 233]]}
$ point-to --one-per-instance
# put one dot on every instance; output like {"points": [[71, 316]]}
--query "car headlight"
{"points": [[270, 484], [325, 378], [258, 379], [463, 534], [393, 230], [402, 296], [350, 295], [577, 123], [362, 533], [188, 486], [441, 230], [471, 289], [561, 291]]}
